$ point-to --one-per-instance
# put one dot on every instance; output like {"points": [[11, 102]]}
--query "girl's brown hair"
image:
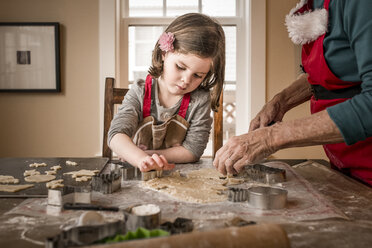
{"points": [[200, 35]]}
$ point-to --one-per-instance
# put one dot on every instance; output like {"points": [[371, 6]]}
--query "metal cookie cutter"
{"points": [[180, 225], [85, 235], [146, 215], [58, 197], [237, 194], [130, 172], [151, 174], [261, 197], [264, 174], [108, 183], [267, 197], [69, 194]]}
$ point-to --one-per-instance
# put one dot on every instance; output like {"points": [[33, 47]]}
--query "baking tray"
{"points": [[16, 166]]}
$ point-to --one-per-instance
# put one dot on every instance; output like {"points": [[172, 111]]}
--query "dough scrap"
{"points": [[31, 172], [38, 165], [8, 179], [39, 178], [83, 172], [82, 175], [14, 188], [68, 162], [51, 172], [55, 184], [199, 186], [56, 167], [83, 179]]}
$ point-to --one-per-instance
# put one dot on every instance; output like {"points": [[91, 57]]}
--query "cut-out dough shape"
{"points": [[38, 165], [55, 184], [8, 179]]}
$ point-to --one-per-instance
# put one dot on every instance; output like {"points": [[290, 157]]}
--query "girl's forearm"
{"points": [[124, 147], [177, 154]]}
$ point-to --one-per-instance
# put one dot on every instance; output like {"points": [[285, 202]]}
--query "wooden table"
{"points": [[351, 197]]}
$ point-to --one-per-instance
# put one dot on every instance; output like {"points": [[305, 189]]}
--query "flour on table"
{"points": [[82, 175], [68, 162], [14, 188], [144, 210], [39, 178], [199, 186], [38, 165], [8, 179], [55, 184], [31, 172]]}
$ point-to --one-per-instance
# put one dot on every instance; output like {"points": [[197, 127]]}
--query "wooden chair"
{"points": [[112, 96], [116, 95]]}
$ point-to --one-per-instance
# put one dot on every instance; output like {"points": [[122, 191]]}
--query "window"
{"points": [[145, 20]]}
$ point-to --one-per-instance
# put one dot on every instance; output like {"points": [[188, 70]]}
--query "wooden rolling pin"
{"points": [[257, 236]]}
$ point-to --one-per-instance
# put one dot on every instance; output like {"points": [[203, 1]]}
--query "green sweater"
{"points": [[348, 52]]}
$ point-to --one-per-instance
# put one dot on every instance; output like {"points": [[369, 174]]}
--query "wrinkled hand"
{"points": [[155, 162], [244, 150], [270, 113]]}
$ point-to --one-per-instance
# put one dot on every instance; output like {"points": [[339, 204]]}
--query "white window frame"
{"points": [[251, 58]]}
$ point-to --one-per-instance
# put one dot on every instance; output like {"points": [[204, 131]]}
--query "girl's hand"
{"points": [[142, 147], [155, 162]]}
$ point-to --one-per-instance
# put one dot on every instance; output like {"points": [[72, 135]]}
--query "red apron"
{"points": [[171, 132], [355, 159]]}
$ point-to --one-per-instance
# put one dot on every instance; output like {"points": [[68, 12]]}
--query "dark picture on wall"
{"points": [[29, 57]]}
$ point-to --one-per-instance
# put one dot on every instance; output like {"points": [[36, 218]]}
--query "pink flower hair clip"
{"points": [[166, 42]]}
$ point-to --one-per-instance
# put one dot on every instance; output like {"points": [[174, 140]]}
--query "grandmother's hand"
{"points": [[270, 113], [244, 150]]}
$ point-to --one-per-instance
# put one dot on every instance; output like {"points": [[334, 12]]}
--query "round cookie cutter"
{"points": [[264, 197], [142, 215]]}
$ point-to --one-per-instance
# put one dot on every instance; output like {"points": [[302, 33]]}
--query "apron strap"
{"points": [[147, 97], [184, 105], [326, 4], [147, 100]]}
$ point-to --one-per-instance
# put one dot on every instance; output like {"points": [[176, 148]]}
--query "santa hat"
{"points": [[305, 25]]}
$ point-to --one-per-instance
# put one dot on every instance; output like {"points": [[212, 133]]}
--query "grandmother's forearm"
{"points": [[295, 94], [317, 129]]}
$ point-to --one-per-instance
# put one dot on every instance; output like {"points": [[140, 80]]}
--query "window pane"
{"points": [[219, 7], [141, 43], [180, 7], [229, 101], [230, 35], [148, 8]]}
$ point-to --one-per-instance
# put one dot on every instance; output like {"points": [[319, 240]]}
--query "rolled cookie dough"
{"points": [[39, 178], [15, 188], [200, 186]]}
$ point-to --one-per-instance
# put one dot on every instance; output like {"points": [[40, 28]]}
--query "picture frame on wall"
{"points": [[29, 57]]}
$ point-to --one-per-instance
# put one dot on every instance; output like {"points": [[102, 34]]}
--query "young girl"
{"points": [[167, 118]]}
